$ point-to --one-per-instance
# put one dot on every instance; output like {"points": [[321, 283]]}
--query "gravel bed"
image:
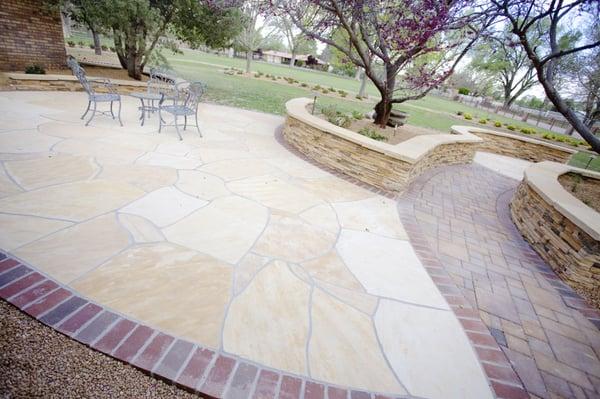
{"points": [[36, 362]]}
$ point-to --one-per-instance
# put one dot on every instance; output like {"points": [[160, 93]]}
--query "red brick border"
{"points": [[185, 364]]}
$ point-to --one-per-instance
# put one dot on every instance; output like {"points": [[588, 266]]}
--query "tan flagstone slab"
{"points": [[16, 230], [273, 192], [430, 352], [25, 141], [322, 216], [103, 152], [246, 269], [136, 142], [210, 155], [7, 186], [331, 268], [166, 286], [69, 253], [201, 185], [388, 268], [297, 167], [376, 215], [50, 170], [226, 228], [72, 201], [141, 229], [166, 160], [147, 178], [164, 206], [334, 189], [359, 300], [276, 335], [175, 148], [73, 131], [293, 240], [343, 348], [239, 168]]}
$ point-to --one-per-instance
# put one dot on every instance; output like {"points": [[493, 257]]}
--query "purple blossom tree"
{"points": [[527, 16], [406, 47]]}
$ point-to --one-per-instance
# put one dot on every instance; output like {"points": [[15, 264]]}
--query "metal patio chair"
{"points": [[108, 92], [185, 104]]}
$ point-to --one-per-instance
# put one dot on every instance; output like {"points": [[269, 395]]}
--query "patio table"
{"points": [[148, 103]]}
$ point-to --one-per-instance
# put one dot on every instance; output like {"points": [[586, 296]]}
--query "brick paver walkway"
{"points": [[546, 331]]}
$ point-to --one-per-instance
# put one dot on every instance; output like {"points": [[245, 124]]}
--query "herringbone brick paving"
{"points": [[545, 329]]}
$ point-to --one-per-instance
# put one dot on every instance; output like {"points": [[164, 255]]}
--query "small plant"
{"points": [[104, 47], [372, 134], [526, 130], [92, 46], [325, 91], [257, 75], [511, 127], [344, 94], [81, 43], [358, 115], [114, 50], [548, 136], [467, 116], [483, 121], [239, 72], [359, 97], [464, 90], [336, 117], [35, 70], [71, 43], [316, 87], [498, 124], [304, 84], [332, 89], [273, 78], [459, 113]]}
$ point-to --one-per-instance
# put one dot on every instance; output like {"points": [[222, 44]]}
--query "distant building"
{"points": [[281, 57]]}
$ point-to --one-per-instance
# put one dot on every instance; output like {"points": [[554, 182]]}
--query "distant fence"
{"points": [[548, 120]]}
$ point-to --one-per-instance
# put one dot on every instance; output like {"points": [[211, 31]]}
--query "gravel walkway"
{"points": [[36, 361]]}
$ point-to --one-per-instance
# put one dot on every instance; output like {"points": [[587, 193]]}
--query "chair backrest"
{"points": [[159, 86], [190, 93], [79, 73], [163, 74]]}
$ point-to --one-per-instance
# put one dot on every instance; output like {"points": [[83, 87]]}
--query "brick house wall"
{"points": [[29, 34]]}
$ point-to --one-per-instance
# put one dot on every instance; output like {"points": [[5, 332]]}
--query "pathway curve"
{"points": [[543, 327], [225, 263]]}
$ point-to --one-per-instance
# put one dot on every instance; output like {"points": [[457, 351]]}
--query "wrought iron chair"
{"points": [[185, 104], [107, 94]]}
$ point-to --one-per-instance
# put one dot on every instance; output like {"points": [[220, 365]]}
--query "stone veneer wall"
{"points": [[513, 147], [67, 83], [29, 35], [367, 165], [570, 251]]}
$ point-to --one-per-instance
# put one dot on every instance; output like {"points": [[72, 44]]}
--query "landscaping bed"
{"points": [[585, 189]]}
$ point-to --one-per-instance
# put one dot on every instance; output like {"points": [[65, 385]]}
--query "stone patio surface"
{"points": [[233, 242]]}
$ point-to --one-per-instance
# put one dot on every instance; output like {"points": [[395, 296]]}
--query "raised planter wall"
{"points": [[564, 231], [22, 81], [388, 167], [517, 146]]}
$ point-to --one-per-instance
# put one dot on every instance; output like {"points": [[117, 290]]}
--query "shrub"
{"points": [[304, 84], [358, 115], [464, 90], [104, 47], [114, 50], [526, 130], [483, 121], [359, 97], [336, 117], [467, 116], [332, 89], [256, 75], [344, 94], [511, 127], [81, 43], [498, 124], [372, 134], [459, 113], [92, 46], [239, 72], [316, 87], [71, 43], [325, 91], [35, 70]]}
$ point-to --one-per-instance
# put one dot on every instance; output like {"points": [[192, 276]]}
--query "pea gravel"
{"points": [[38, 362]]}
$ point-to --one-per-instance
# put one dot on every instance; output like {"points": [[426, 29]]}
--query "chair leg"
{"points": [[160, 121], [198, 126], [120, 122], [177, 128], [93, 114], [184, 121], [111, 111], [87, 109]]}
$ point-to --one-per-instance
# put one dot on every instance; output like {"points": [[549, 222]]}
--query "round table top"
{"points": [[146, 96]]}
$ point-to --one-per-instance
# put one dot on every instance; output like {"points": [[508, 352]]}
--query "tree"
{"points": [[498, 56], [587, 78], [251, 37], [295, 40], [524, 16], [395, 35], [88, 13]]}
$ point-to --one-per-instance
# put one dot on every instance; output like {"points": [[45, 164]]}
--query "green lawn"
{"points": [[581, 160]]}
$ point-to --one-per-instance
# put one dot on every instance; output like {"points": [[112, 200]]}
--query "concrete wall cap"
{"points": [[543, 179], [70, 78], [411, 150], [466, 129]]}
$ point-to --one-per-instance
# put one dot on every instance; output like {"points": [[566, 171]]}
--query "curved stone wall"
{"points": [[388, 167], [564, 231], [517, 146], [23, 81]]}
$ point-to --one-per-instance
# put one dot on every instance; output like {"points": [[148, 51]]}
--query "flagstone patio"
{"points": [[234, 243]]}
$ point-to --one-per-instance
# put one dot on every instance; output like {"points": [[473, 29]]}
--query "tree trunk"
{"points": [[97, 45], [293, 60], [248, 60], [363, 84], [134, 65]]}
